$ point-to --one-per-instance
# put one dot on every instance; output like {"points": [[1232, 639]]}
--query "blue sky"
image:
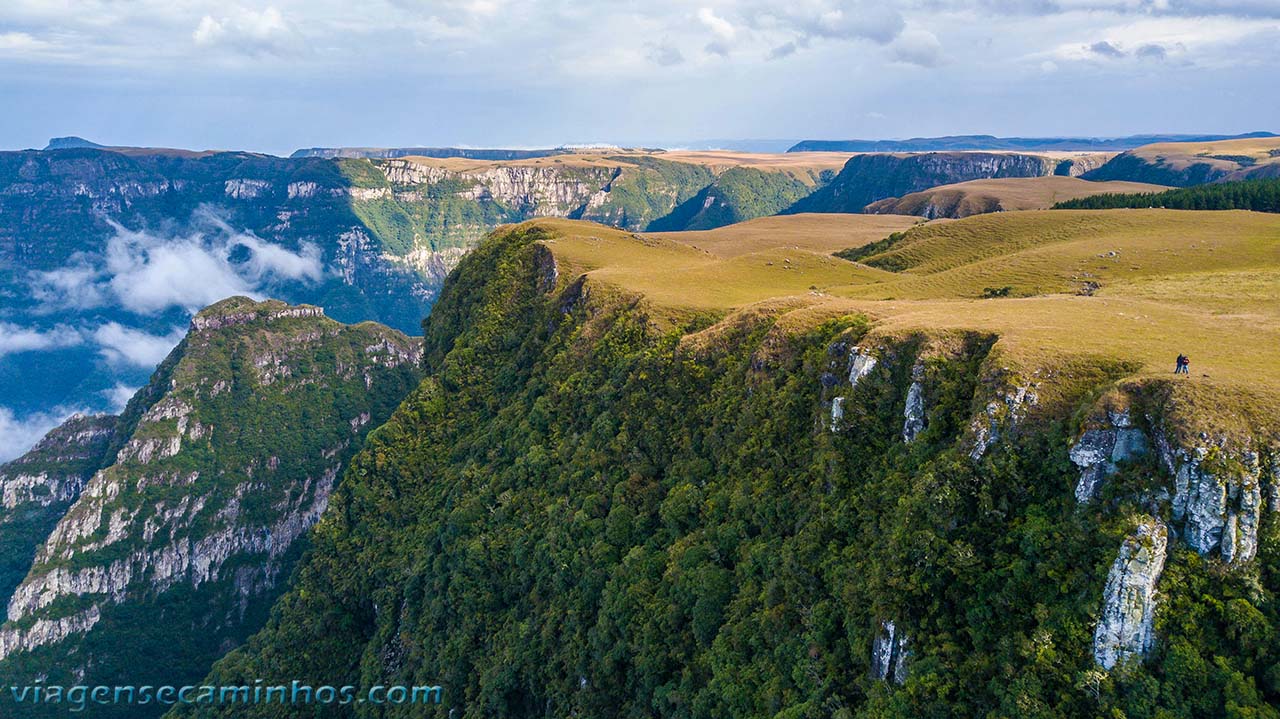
{"points": [[285, 74]]}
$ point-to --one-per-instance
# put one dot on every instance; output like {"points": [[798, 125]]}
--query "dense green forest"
{"points": [[589, 511], [1256, 195], [738, 194]]}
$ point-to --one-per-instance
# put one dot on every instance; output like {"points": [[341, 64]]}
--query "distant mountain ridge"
{"points": [[991, 142], [437, 152]]}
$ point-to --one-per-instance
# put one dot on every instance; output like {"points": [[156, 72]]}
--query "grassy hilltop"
{"points": [[1137, 285], [1183, 164], [1000, 195]]}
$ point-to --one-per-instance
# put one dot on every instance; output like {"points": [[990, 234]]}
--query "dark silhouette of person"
{"points": [[1184, 365]]}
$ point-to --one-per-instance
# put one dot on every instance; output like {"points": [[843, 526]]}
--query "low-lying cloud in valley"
{"points": [[116, 312], [146, 273], [125, 345], [19, 434], [15, 338]]}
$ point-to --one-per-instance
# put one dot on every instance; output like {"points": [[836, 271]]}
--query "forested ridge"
{"points": [[589, 509]]}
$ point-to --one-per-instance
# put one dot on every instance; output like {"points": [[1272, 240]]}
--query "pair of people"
{"points": [[1183, 366]]}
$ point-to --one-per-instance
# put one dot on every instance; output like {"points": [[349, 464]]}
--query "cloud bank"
{"points": [[19, 434], [146, 273], [14, 338]]}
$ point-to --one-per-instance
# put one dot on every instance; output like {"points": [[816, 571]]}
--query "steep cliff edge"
{"points": [[217, 470], [1182, 164], [85, 235], [868, 178], [37, 488], [631, 486]]}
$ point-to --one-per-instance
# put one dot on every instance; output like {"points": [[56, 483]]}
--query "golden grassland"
{"points": [[1180, 155], [820, 233], [1009, 193], [795, 164], [1206, 284]]}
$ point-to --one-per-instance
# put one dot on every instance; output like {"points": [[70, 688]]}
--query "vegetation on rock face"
{"points": [[737, 195], [37, 488], [1255, 195], [177, 547], [596, 507], [1182, 164]]}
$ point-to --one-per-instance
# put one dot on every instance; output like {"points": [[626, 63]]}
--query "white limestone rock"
{"points": [[1098, 452], [889, 653], [1126, 626]]}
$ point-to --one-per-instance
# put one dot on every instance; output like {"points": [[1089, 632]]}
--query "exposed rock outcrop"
{"points": [[889, 654], [56, 469], [37, 488], [1126, 626], [913, 413], [1100, 449], [1000, 416], [1218, 497], [861, 362]]}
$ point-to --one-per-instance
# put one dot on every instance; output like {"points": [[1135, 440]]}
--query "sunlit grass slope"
{"points": [[1134, 285], [1002, 194]]}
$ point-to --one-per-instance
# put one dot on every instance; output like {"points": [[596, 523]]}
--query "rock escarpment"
{"points": [[1100, 449], [1207, 495], [889, 654], [220, 467], [624, 516], [868, 178], [1126, 626], [38, 487]]}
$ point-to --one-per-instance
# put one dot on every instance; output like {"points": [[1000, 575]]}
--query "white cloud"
{"points": [[918, 47], [665, 54], [125, 345], [20, 434], [119, 396], [249, 31], [1200, 38], [146, 273], [15, 338], [716, 24]]}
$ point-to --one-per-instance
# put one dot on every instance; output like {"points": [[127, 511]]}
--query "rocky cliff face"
{"points": [[37, 488], [220, 467], [1100, 449], [1126, 626], [868, 178]]}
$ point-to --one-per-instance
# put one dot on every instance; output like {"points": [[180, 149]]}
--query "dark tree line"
{"points": [[1256, 195]]}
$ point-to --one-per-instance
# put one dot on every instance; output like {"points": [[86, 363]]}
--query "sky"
{"points": [[275, 76]]}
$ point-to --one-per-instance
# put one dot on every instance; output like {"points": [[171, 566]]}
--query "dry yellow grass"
{"points": [[813, 232], [963, 199], [1180, 155], [1203, 283], [795, 164]]}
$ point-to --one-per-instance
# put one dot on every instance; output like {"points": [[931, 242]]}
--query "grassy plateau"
{"points": [[1138, 286]]}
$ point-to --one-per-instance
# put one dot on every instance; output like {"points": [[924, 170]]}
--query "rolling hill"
{"points": [[999, 195], [1182, 164]]}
